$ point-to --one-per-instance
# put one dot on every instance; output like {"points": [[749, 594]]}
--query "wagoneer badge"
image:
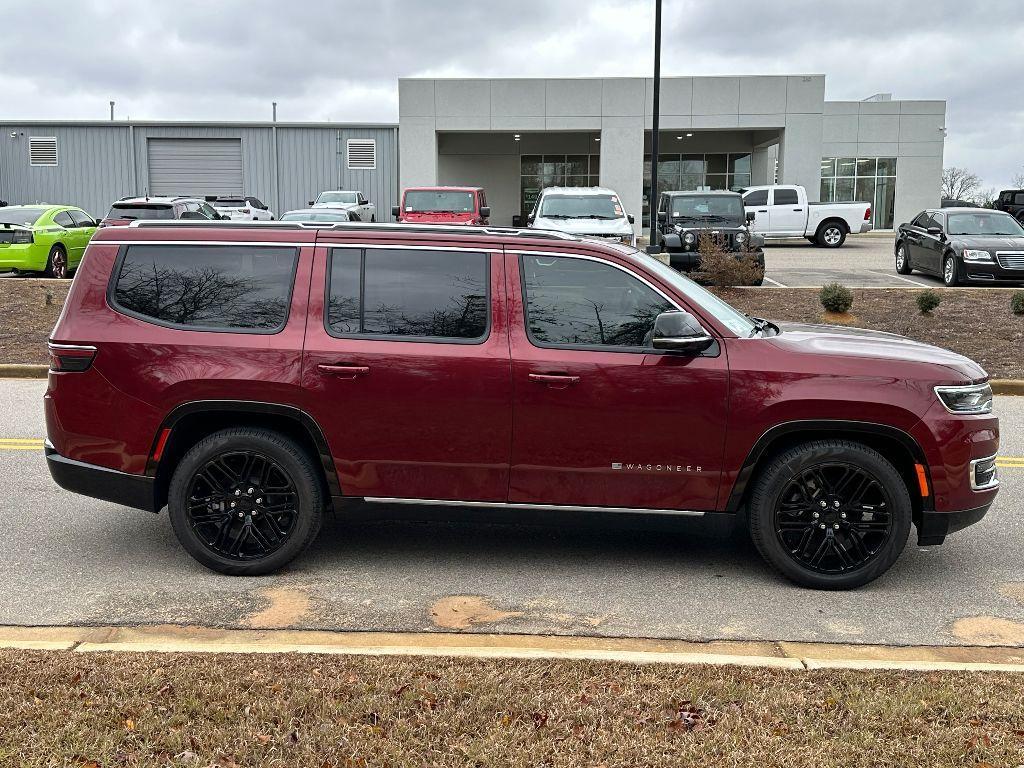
{"points": [[655, 467]]}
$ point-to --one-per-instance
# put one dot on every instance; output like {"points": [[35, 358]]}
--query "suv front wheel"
{"points": [[245, 502], [830, 514]]}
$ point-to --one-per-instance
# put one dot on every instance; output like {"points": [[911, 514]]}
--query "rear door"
{"points": [[787, 216], [406, 368]]}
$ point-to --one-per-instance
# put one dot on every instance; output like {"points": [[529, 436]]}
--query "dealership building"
{"points": [[513, 137]]}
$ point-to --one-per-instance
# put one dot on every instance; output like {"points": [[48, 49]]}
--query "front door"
{"points": [[787, 217], [406, 369], [599, 418], [933, 246]]}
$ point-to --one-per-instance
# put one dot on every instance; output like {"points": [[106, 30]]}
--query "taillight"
{"points": [[70, 358], [247, 211], [867, 214], [22, 236]]}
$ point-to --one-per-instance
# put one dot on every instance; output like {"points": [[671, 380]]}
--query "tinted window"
{"points": [[577, 302], [785, 197], [141, 212], [208, 287], [757, 197], [22, 217], [64, 219], [438, 201], [580, 207], [82, 219], [1018, 199], [438, 294]]}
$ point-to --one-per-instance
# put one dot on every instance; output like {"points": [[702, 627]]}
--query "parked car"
{"points": [[783, 212], [129, 209], [949, 202], [443, 205], [522, 370], [1011, 201], [242, 208], [353, 200], [962, 245], [43, 238], [322, 215], [684, 218], [585, 211]]}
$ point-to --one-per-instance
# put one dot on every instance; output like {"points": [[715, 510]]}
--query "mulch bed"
{"points": [[117, 709], [977, 323]]}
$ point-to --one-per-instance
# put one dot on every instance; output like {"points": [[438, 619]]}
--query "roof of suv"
{"points": [[696, 193], [154, 200], [578, 191]]}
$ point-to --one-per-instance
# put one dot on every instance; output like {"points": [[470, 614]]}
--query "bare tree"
{"points": [[959, 183], [986, 198], [1017, 182]]}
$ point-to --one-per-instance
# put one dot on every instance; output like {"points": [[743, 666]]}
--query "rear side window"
{"points": [[1018, 199], [64, 219], [785, 197], [412, 294], [207, 287], [582, 303]]}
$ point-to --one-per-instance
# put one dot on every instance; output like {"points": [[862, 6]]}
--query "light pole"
{"points": [[652, 203]]}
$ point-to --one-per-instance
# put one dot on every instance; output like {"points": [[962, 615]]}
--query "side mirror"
{"points": [[751, 215], [662, 216], [396, 211], [312, 203], [679, 331], [630, 219], [485, 212]]}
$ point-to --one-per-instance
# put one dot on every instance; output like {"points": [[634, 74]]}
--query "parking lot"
{"points": [[74, 560]]}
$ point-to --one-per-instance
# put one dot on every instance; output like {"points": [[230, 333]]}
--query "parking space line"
{"points": [[898, 277], [775, 282]]}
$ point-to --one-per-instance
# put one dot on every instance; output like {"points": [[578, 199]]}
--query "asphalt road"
{"points": [[72, 560]]}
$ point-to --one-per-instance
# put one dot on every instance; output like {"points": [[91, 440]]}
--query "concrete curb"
{"points": [[781, 655], [1007, 386], [23, 371]]}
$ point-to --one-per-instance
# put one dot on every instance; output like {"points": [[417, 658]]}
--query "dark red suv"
{"points": [[250, 376]]}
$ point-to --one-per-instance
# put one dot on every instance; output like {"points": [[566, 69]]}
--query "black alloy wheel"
{"points": [[57, 263], [830, 514], [246, 501]]}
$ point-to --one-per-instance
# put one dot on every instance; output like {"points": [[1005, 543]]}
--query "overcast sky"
{"points": [[228, 59]]}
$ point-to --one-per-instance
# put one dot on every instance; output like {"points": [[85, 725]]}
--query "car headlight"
{"points": [[976, 398], [690, 238], [977, 256], [741, 237]]}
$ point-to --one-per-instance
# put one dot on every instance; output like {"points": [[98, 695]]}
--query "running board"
{"points": [[541, 507]]}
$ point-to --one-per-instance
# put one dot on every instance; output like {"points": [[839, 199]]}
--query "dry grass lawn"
{"points": [[68, 709]]}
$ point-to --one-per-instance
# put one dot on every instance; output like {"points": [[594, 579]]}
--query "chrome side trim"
{"points": [[308, 244], [73, 347], [542, 507], [341, 226]]}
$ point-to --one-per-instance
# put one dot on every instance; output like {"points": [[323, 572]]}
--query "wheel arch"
{"points": [[191, 422], [833, 220], [897, 446]]}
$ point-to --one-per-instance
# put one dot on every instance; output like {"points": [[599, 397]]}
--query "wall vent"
{"points": [[362, 154], [42, 150]]}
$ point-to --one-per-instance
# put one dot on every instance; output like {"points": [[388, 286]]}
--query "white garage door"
{"points": [[195, 167]]}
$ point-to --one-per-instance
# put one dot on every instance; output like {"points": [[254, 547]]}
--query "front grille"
{"points": [[1010, 259]]}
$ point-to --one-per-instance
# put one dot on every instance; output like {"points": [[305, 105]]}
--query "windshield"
{"points": [[709, 206], [230, 202], [581, 207], [141, 212], [337, 197], [983, 223], [314, 216], [22, 217], [731, 318], [427, 201]]}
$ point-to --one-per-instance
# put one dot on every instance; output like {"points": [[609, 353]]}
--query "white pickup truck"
{"points": [[350, 200], [783, 211]]}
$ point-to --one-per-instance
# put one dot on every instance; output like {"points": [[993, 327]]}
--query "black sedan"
{"points": [[963, 246]]}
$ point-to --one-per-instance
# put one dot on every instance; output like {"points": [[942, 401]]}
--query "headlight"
{"points": [[690, 238], [976, 398], [741, 237], [977, 256]]}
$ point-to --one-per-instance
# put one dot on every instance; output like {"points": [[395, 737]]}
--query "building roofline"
{"points": [[193, 124], [622, 77]]}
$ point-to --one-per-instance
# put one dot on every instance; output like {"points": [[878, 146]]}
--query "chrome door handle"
{"points": [[343, 371], [555, 380]]}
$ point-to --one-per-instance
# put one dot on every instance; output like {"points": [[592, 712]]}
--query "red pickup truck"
{"points": [[249, 376], [443, 205]]}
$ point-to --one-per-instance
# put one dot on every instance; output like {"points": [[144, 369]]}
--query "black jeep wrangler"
{"points": [[685, 219], [1012, 202]]}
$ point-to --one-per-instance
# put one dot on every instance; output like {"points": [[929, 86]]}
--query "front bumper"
{"points": [[990, 273], [933, 526], [136, 491]]}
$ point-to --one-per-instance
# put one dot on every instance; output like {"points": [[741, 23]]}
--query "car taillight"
{"points": [[22, 236], [247, 211], [70, 358], [867, 214]]}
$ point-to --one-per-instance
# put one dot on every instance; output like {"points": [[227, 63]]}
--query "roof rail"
{"points": [[357, 226]]}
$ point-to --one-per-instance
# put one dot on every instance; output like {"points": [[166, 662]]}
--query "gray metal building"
{"points": [[92, 164]]}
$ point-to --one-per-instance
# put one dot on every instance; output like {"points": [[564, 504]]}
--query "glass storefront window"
{"points": [[538, 172], [717, 163], [739, 164], [862, 179]]}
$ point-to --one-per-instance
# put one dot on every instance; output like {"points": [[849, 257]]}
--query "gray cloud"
{"points": [[340, 61]]}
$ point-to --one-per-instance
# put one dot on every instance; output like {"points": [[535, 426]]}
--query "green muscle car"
{"points": [[43, 238]]}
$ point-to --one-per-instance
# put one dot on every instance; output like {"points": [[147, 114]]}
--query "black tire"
{"points": [[831, 234], [903, 265], [838, 529], [298, 524], [812, 240], [373, 219], [57, 264], [950, 271]]}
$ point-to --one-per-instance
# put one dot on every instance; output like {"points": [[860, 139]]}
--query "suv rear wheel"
{"points": [[245, 502], [830, 514]]}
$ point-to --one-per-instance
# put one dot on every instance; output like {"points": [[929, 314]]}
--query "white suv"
{"points": [[584, 211], [242, 208]]}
